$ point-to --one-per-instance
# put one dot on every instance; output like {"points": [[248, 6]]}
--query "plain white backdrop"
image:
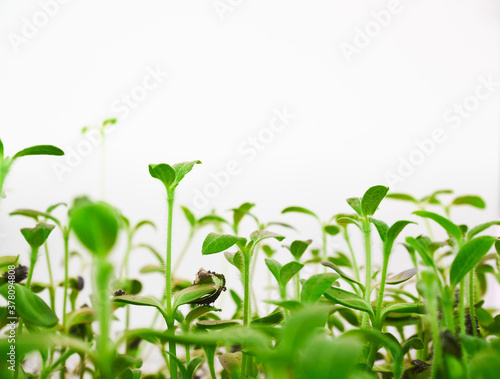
{"points": [[285, 102]]}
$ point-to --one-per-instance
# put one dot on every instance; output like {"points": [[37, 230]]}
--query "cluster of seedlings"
{"points": [[352, 319]]}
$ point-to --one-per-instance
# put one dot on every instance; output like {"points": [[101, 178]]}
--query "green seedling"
{"points": [[170, 176], [7, 162], [102, 130]]}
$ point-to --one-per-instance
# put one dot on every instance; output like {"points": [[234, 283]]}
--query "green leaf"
{"points": [[189, 216], [35, 215], [217, 324], [180, 366], [468, 257], [314, 287], [8, 260], [260, 235], [472, 200], [1, 150], [142, 223], [181, 169], [402, 276], [372, 198], [422, 250], [96, 225], [412, 343], [288, 271], [343, 275], [193, 366], [275, 267], [274, 318], [349, 300], [164, 173], [240, 212], [30, 307], [145, 301], [291, 305], [232, 363], [355, 203], [393, 233], [481, 228], [212, 219], [402, 308], [332, 230], [199, 312], [300, 210], [215, 243], [197, 294], [402, 197], [37, 236], [298, 248], [39, 150], [388, 341], [452, 229], [382, 228]]}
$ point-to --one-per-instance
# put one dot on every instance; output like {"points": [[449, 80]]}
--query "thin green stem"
{"points": [[34, 256], [378, 323], [52, 291], [101, 287], [472, 303], [246, 360], [103, 165], [353, 257], [183, 252], [62, 358], [461, 307], [368, 268], [66, 273], [297, 284], [324, 245], [168, 283], [433, 319]]}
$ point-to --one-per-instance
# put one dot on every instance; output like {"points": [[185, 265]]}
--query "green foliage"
{"points": [[330, 326]]}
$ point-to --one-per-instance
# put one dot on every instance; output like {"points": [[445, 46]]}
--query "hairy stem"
{"points": [[472, 303]]}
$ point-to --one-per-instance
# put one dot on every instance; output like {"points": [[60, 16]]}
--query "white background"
{"points": [[355, 117]]}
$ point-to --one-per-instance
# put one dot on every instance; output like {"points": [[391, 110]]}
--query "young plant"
{"points": [[102, 130], [326, 227], [7, 162], [97, 225], [216, 243], [365, 208], [170, 176]]}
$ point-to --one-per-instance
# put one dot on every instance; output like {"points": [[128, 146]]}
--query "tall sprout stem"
{"points": [[368, 268], [183, 252], [101, 287], [66, 273], [433, 318], [472, 303], [34, 256], [246, 360], [353, 257], [52, 291], [168, 282]]}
